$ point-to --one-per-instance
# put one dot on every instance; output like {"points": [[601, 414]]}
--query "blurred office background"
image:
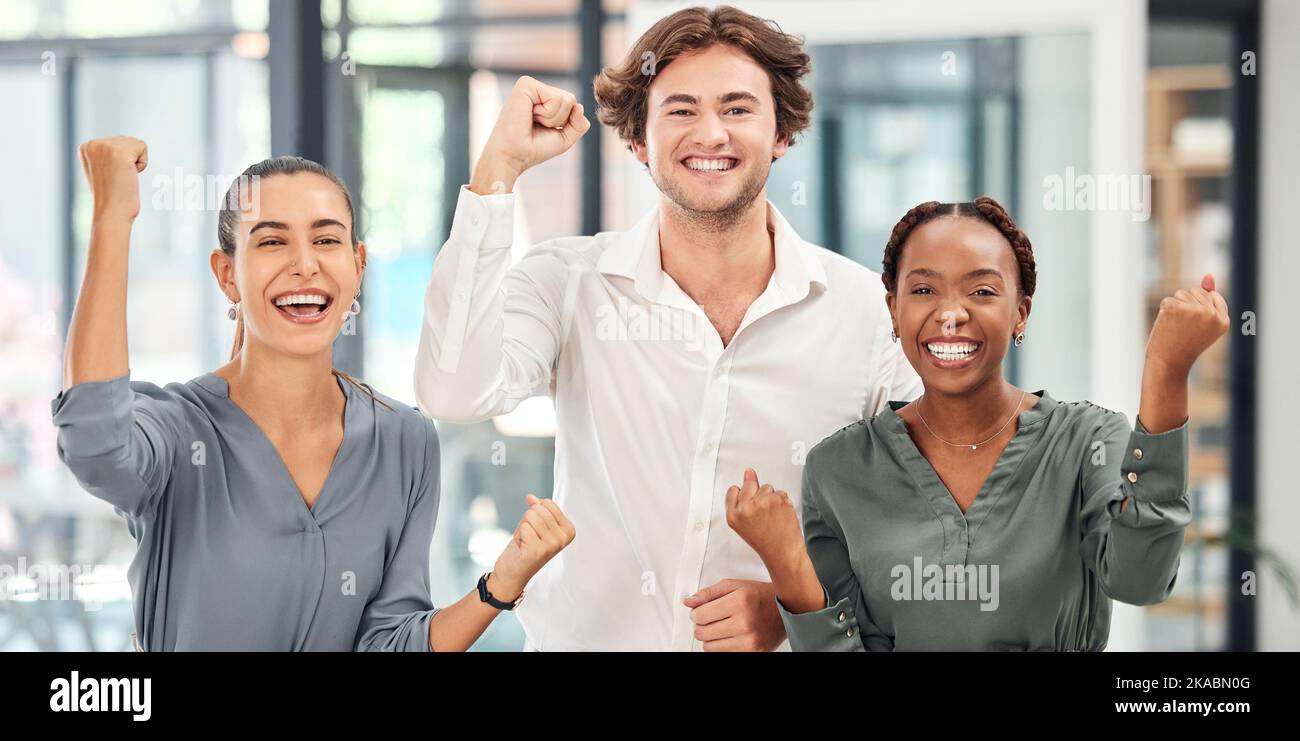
{"points": [[914, 101]]}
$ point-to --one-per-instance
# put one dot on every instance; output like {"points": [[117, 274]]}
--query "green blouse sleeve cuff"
{"points": [[833, 628], [1155, 465]]}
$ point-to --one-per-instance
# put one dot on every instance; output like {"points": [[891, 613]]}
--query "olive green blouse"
{"points": [[1030, 566]]}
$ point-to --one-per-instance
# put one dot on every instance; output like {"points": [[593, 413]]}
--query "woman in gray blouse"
{"points": [[277, 504], [982, 516]]}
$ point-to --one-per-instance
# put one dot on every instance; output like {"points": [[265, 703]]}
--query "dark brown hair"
{"points": [[228, 223], [621, 90], [982, 208]]}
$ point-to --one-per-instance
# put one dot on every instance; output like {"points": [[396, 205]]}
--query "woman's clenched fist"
{"points": [[543, 532], [113, 168], [1187, 324], [765, 518]]}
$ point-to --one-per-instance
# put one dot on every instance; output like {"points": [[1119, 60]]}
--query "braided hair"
{"points": [[983, 208]]}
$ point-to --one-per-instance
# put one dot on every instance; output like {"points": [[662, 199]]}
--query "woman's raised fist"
{"points": [[113, 168]]}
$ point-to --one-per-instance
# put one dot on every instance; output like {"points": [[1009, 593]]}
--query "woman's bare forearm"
{"points": [[1163, 406], [455, 628], [97, 349], [797, 586], [97, 346]]}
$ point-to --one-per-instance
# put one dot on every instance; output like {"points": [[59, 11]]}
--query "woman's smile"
{"points": [[951, 353], [303, 305]]}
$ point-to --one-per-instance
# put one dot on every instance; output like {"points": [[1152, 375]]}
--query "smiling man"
{"points": [[739, 346]]}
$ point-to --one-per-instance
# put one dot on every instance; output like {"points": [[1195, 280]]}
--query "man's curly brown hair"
{"points": [[621, 90]]}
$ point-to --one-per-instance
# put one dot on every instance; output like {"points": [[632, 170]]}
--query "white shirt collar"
{"points": [[636, 256]]}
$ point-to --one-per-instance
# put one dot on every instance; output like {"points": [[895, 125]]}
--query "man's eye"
{"points": [[742, 110]]}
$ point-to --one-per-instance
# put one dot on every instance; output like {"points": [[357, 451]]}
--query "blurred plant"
{"points": [[1240, 537], [28, 351]]}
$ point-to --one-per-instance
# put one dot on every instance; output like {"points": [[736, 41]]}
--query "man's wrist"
{"points": [[494, 175]]}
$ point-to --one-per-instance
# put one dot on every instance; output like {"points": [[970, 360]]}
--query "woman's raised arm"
{"points": [[97, 349]]}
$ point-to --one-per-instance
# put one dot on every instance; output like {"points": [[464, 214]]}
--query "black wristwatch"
{"points": [[485, 596]]}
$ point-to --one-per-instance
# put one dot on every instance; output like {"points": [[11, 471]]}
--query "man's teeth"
{"points": [[710, 165], [951, 350], [301, 298]]}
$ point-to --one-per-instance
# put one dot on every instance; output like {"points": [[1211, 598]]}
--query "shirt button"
{"points": [[1132, 477], [473, 218], [1137, 453], [708, 448], [848, 633], [840, 617], [699, 527]]}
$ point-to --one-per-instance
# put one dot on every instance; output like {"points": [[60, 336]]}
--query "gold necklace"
{"points": [[972, 446]]}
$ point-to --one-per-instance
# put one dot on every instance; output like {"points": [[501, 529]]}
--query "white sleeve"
{"points": [[491, 332], [893, 379]]}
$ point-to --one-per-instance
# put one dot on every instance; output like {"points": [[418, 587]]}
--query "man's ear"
{"points": [[223, 269], [640, 151], [780, 146]]}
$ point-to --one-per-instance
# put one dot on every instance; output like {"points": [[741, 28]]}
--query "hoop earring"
{"points": [[893, 335], [233, 311], [1020, 339]]}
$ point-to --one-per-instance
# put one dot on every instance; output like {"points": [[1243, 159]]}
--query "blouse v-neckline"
{"points": [[929, 484], [219, 386]]}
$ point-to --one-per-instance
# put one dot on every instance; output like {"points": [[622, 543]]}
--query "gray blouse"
{"points": [[229, 556], [1031, 565]]}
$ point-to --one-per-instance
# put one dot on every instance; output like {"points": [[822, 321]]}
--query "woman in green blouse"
{"points": [[982, 516]]}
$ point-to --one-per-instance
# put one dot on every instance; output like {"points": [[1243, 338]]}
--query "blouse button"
{"points": [[1137, 453], [848, 633], [840, 617], [1132, 477]]}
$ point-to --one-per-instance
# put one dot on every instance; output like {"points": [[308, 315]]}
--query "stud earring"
{"points": [[233, 310]]}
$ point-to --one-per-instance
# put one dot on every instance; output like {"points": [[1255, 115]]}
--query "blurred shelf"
{"points": [[1166, 164], [1189, 78], [1210, 605], [1195, 532]]}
